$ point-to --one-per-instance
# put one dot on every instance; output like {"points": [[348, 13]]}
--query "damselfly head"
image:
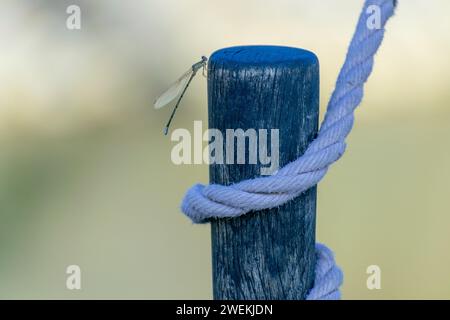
{"points": [[204, 62]]}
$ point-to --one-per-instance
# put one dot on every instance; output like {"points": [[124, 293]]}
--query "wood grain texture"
{"points": [[267, 254]]}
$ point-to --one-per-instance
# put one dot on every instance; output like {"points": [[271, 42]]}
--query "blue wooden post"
{"points": [[266, 254]]}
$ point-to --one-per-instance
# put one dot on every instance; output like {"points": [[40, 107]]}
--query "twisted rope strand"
{"points": [[216, 201], [204, 202], [328, 276]]}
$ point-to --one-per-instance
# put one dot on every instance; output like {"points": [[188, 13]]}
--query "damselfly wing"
{"points": [[174, 90]]}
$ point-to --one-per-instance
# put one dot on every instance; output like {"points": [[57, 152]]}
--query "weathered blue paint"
{"points": [[269, 254]]}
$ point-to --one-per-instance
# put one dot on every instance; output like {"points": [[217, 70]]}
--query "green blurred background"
{"points": [[86, 176]]}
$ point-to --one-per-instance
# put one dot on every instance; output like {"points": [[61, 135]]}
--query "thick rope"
{"points": [[217, 201], [328, 277]]}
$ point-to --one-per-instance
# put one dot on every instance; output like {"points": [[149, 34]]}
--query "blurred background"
{"points": [[86, 176]]}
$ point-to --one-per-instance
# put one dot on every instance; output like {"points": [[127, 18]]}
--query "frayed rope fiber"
{"points": [[217, 201]]}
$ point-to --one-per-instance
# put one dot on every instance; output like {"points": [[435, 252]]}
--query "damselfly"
{"points": [[178, 89]]}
